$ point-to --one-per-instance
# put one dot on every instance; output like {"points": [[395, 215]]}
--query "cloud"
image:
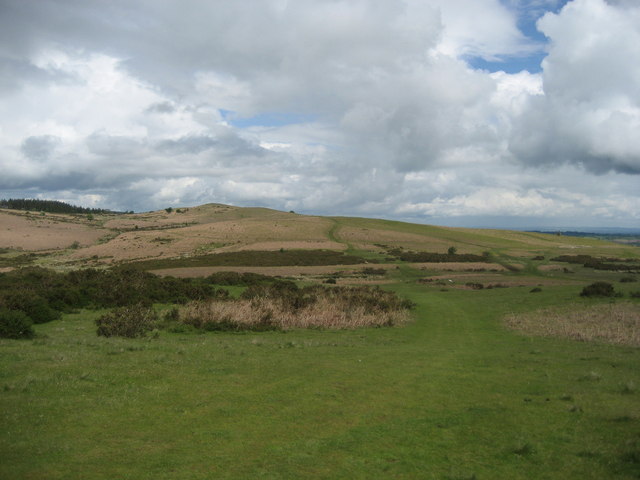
{"points": [[341, 107], [590, 111], [39, 148]]}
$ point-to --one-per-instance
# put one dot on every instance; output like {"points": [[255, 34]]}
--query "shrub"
{"points": [[628, 280], [131, 322], [373, 271], [32, 305], [15, 324], [598, 289]]}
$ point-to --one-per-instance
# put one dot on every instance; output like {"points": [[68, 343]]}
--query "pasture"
{"points": [[453, 394], [466, 388]]}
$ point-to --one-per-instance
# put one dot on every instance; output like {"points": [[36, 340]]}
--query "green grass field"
{"points": [[452, 395]]}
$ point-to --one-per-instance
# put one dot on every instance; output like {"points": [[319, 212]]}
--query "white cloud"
{"points": [[482, 28], [590, 111]]}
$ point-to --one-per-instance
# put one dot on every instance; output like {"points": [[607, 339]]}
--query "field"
{"points": [[466, 389]]}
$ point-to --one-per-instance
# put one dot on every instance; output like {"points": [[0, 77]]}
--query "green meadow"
{"points": [[451, 395]]}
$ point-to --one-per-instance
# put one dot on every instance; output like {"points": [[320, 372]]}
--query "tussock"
{"points": [[335, 308], [617, 323]]}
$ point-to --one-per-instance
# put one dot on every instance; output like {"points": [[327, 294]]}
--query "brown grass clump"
{"points": [[312, 307], [617, 323]]}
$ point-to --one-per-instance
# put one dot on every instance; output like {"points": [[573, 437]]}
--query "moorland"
{"points": [[226, 342]]}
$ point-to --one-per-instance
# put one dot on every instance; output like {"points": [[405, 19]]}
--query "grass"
{"points": [[451, 395], [617, 323]]}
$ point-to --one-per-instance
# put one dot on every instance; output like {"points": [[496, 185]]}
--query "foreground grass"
{"points": [[452, 395]]}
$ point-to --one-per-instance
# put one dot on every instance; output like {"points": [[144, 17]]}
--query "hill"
{"points": [[171, 236]]}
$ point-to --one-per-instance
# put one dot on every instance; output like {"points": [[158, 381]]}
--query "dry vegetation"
{"points": [[313, 307], [32, 232], [105, 239], [617, 323]]}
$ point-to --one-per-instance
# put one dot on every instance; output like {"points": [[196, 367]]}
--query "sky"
{"points": [[479, 113]]}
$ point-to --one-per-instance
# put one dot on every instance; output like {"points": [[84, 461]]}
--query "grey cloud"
{"points": [[115, 146], [161, 107], [40, 148], [186, 145]]}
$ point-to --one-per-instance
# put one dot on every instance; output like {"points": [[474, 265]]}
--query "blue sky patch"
{"points": [[268, 119]]}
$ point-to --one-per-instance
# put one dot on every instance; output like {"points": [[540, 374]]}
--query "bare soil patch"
{"points": [[617, 323], [49, 232], [367, 237]]}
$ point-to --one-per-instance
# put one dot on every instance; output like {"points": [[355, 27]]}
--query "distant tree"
{"points": [[50, 206], [168, 210], [452, 250]]}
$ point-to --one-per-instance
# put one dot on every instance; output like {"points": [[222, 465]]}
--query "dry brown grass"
{"points": [[210, 229], [48, 232], [326, 311], [617, 323]]}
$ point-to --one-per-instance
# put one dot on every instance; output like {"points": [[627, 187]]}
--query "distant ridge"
{"points": [[581, 231]]}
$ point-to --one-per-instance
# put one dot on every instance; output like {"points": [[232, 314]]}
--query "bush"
{"points": [[373, 271], [131, 322], [15, 324], [32, 305], [598, 289], [628, 280]]}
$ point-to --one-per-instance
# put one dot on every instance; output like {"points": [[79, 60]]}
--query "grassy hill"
{"points": [[503, 370], [73, 240]]}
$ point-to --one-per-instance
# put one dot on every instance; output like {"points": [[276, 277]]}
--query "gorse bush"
{"points": [[15, 324], [255, 258], [598, 289], [611, 264], [33, 305], [42, 294], [430, 257], [131, 322]]}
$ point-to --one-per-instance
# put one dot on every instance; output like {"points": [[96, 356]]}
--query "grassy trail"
{"points": [[452, 395]]}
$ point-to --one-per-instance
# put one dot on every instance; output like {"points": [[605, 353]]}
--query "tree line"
{"points": [[49, 206]]}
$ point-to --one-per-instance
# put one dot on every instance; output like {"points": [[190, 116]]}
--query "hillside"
{"points": [[64, 241]]}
